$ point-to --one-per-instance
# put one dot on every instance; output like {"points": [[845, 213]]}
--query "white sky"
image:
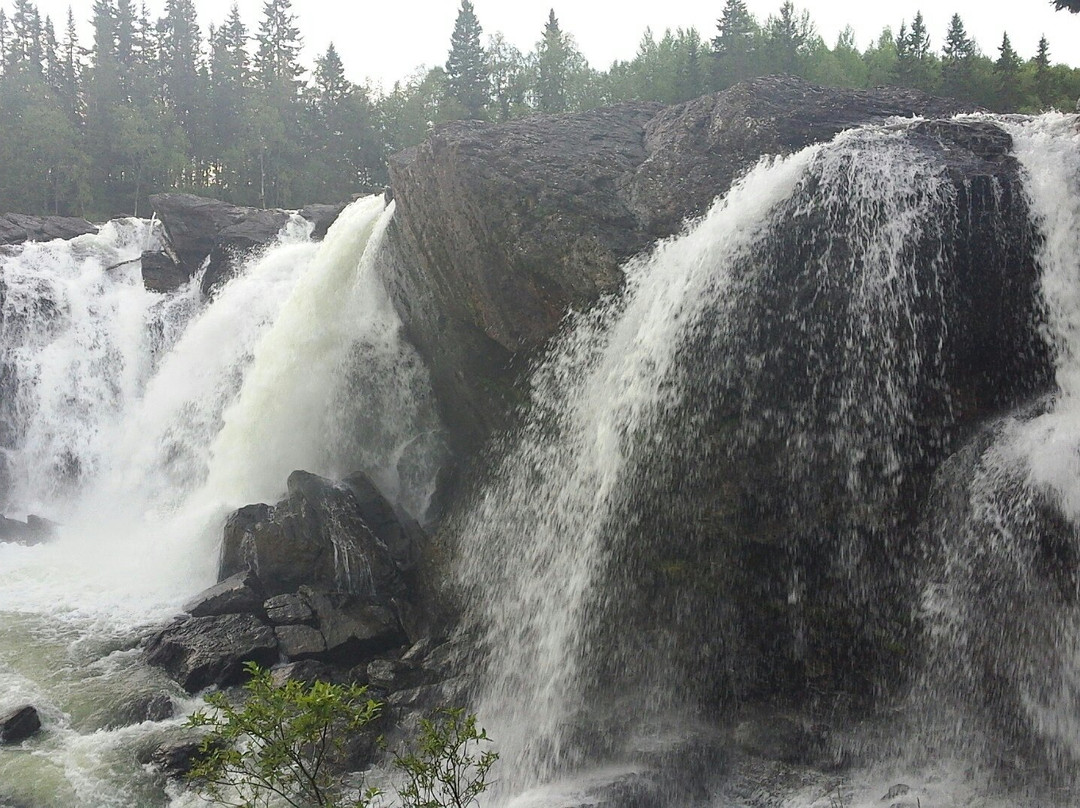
{"points": [[386, 40]]}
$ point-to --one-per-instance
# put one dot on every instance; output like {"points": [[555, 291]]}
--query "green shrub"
{"points": [[280, 743]]}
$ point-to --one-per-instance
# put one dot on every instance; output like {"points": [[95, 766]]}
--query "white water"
{"points": [[539, 544], [141, 421]]}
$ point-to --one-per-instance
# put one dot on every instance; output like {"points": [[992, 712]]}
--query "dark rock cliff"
{"points": [[500, 229]]}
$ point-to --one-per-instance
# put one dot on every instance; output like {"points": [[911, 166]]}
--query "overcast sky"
{"points": [[385, 41]]}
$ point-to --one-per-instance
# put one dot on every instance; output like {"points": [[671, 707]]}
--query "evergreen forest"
{"points": [[91, 128]]}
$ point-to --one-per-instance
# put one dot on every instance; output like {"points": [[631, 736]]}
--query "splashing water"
{"points": [[138, 421]]}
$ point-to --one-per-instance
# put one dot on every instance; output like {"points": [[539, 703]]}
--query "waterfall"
{"points": [[800, 320], [1002, 602], [138, 420]]}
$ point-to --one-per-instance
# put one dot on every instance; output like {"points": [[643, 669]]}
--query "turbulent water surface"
{"points": [[138, 420]]}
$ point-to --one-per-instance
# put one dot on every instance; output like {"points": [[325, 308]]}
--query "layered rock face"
{"points": [[500, 229]]}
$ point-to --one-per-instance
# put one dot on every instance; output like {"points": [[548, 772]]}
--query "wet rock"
{"points": [[238, 542], [401, 534], [300, 642], [392, 675], [174, 758], [162, 273], [15, 228], [202, 651], [19, 724], [322, 217], [316, 536], [199, 228], [34, 530], [288, 609], [237, 594], [354, 628], [500, 229], [304, 670]]}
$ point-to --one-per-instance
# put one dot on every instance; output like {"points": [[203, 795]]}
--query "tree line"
{"points": [[153, 104]]}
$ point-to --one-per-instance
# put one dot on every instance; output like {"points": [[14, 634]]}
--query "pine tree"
{"points": [[180, 57], [1007, 76], [915, 65], [70, 70], [277, 60], [552, 68], [734, 44], [1042, 73], [466, 65], [958, 55], [787, 37]]}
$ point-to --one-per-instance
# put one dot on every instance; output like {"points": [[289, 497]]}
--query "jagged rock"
{"points": [[238, 541], [354, 628], [202, 651], [304, 670], [161, 273], [322, 217], [317, 536], [199, 228], [15, 228], [19, 724], [392, 675], [288, 609], [500, 229], [34, 530], [401, 534], [300, 642], [174, 758], [237, 594]]}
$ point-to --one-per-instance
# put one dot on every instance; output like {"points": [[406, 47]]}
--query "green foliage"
{"points": [[448, 766], [279, 742], [152, 105]]}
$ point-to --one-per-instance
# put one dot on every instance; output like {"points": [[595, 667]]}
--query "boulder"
{"points": [[34, 530], [322, 217], [202, 651], [500, 229], [162, 273], [237, 594], [289, 609], [15, 228], [300, 642], [306, 671], [316, 536], [354, 628], [401, 534], [19, 724], [199, 228]]}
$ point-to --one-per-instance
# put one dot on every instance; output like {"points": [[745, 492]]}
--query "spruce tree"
{"points": [[787, 36], [1042, 73], [277, 60], [552, 67], [466, 65], [1007, 76], [734, 44], [956, 64]]}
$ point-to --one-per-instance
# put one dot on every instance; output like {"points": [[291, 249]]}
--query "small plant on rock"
{"points": [[447, 768], [279, 742]]}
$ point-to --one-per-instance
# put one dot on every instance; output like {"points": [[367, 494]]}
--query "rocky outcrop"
{"points": [[19, 724], [15, 228], [501, 229], [202, 229], [199, 228], [317, 536], [34, 530], [201, 651]]}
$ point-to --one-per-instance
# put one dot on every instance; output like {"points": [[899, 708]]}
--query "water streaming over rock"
{"points": [[714, 495], [138, 420]]}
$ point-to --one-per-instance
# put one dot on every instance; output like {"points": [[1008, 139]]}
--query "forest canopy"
{"points": [[147, 105]]}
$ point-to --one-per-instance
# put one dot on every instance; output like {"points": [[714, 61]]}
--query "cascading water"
{"points": [[711, 495], [138, 420]]}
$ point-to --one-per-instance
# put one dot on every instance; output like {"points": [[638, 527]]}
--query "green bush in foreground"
{"points": [[280, 742]]}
